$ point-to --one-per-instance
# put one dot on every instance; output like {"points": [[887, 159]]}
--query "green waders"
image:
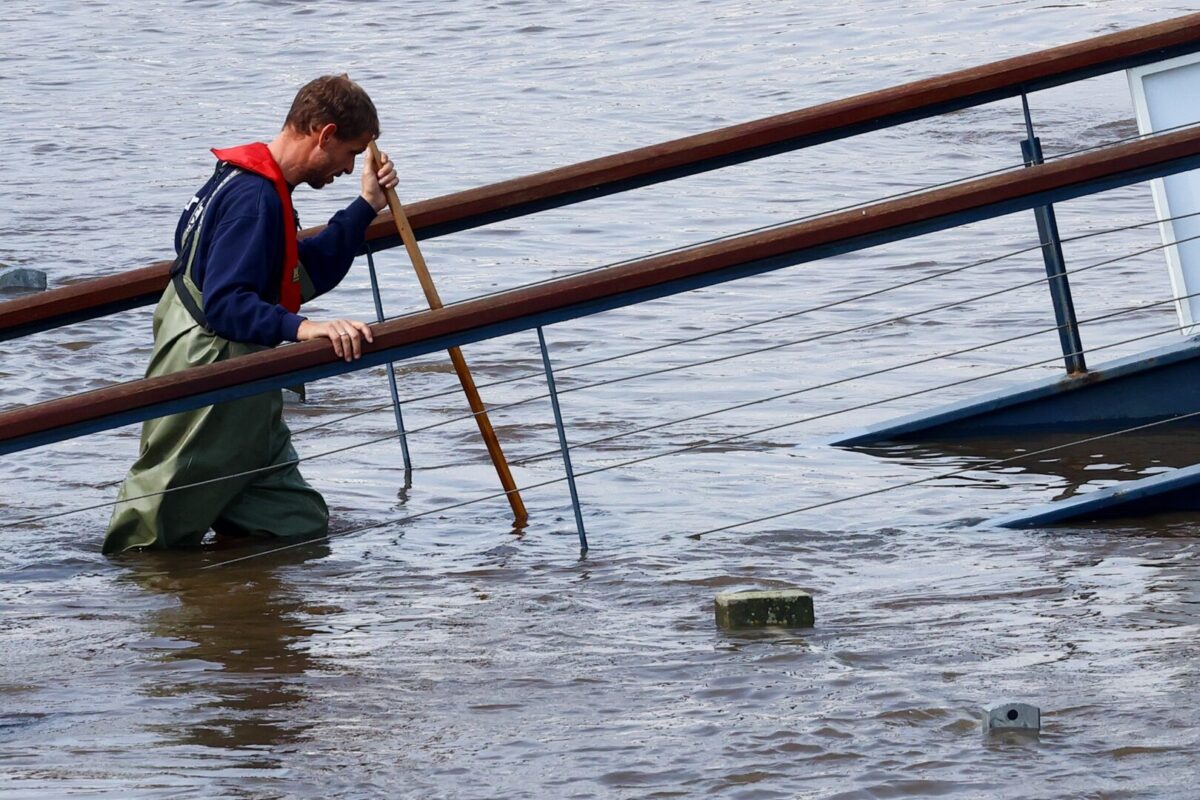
{"points": [[209, 443]]}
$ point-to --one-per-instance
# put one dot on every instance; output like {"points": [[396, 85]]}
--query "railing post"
{"points": [[391, 369], [562, 441], [1052, 255]]}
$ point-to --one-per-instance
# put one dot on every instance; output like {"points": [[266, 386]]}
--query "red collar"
{"points": [[256, 157]]}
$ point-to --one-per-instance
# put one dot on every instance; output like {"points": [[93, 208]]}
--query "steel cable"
{"points": [[888, 321], [358, 445], [387, 437], [815, 337], [874, 373], [806, 217], [973, 467], [841, 381], [743, 327], [746, 326], [385, 523]]}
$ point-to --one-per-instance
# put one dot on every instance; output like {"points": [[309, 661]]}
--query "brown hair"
{"points": [[336, 99]]}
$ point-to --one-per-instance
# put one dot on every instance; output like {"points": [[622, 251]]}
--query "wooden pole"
{"points": [[456, 357]]}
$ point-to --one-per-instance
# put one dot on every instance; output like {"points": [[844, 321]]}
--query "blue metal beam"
{"points": [[1177, 490], [1052, 256], [562, 441], [393, 390], [1124, 392]]}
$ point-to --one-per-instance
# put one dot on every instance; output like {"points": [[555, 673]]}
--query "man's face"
{"points": [[332, 157]]}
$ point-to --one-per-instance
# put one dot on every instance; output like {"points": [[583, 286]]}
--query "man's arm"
{"points": [[327, 257]]}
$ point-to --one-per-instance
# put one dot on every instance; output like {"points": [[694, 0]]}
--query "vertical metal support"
{"points": [[1056, 271], [562, 441], [391, 370]]}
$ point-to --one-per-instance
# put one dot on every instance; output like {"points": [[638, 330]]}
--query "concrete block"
{"points": [[788, 608], [1013, 717], [22, 278]]}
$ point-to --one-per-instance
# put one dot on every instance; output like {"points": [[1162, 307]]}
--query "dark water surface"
{"points": [[449, 656]]}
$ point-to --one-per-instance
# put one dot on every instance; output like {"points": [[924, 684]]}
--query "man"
{"points": [[236, 288]]}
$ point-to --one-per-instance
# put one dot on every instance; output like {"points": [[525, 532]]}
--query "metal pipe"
{"points": [[1052, 255], [391, 368], [562, 441]]}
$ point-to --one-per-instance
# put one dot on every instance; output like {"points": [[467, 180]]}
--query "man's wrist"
{"points": [[290, 327]]}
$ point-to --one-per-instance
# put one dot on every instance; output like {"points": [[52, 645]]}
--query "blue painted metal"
{"points": [[1052, 255], [620, 300], [1121, 393], [1177, 490], [562, 440], [391, 368]]}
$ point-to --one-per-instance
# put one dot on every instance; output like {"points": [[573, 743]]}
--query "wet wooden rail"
{"points": [[614, 287], [669, 160]]}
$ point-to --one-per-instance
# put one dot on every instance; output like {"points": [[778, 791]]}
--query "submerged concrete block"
{"points": [[22, 278], [788, 608], [1013, 717]]}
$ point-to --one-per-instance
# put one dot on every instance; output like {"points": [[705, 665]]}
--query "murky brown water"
{"points": [[448, 656]]}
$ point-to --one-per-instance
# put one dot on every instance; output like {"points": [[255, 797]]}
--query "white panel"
{"points": [[1167, 95]]}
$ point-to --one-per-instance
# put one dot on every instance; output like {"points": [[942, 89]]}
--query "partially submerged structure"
{"points": [[1147, 389]]}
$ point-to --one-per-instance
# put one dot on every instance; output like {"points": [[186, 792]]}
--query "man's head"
{"points": [[336, 118]]}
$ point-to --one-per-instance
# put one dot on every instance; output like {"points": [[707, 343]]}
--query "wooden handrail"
{"points": [[600, 290], [668, 160]]}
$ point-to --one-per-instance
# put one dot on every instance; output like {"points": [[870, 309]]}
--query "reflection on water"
{"points": [[1108, 460], [239, 642]]}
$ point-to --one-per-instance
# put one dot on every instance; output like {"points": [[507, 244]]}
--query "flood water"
{"points": [[441, 653]]}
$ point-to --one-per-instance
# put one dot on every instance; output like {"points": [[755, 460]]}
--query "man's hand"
{"points": [[346, 335], [376, 178]]}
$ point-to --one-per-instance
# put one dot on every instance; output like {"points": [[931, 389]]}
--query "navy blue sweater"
{"points": [[240, 255]]}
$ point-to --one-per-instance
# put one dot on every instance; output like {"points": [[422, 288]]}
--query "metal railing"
{"points": [[608, 288], [667, 161], [1035, 184]]}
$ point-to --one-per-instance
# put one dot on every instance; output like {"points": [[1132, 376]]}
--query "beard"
{"points": [[319, 180]]}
